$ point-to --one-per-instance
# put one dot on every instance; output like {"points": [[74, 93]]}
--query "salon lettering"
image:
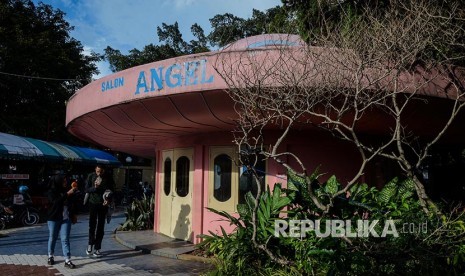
{"points": [[112, 84], [156, 79], [179, 74]]}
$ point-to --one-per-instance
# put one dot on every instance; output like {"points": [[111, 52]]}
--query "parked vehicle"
{"points": [[4, 219], [24, 215], [23, 211]]}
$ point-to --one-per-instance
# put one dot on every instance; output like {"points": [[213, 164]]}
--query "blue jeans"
{"points": [[64, 228]]}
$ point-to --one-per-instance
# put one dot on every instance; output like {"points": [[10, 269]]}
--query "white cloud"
{"points": [[125, 25], [87, 50], [181, 3], [104, 70]]}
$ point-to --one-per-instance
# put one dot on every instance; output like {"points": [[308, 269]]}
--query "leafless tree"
{"points": [[383, 64]]}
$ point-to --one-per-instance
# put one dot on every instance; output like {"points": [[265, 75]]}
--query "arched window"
{"points": [[222, 177], [182, 176], [167, 176]]}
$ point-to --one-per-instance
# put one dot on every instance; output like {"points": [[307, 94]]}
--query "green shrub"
{"points": [[436, 246], [139, 215]]}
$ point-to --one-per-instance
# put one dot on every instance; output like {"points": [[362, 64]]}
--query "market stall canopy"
{"points": [[20, 148]]}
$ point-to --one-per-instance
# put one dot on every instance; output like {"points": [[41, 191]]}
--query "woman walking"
{"points": [[60, 217]]}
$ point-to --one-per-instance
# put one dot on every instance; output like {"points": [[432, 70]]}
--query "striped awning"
{"points": [[16, 147]]}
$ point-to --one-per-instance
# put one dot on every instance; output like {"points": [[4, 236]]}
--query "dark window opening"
{"points": [[167, 176], [222, 177], [182, 176]]}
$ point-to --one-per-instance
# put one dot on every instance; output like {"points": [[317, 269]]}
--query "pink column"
{"points": [[198, 192], [158, 191]]}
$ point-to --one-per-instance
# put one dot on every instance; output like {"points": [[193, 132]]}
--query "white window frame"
{"points": [[231, 204]]}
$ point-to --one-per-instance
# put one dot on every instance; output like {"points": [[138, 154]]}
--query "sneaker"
{"points": [[89, 249], [51, 261], [97, 253], [70, 265]]}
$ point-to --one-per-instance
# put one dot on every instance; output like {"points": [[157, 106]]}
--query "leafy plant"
{"points": [[235, 251], [140, 214], [426, 246]]}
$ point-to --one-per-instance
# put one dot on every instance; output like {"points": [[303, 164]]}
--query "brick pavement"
{"points": [[22, 264], [26, 270]]}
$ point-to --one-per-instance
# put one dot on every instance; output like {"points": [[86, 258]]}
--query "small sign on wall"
{"points": [[14, 176]]}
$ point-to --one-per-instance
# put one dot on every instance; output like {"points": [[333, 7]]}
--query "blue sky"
{"points": [[129, 24]]}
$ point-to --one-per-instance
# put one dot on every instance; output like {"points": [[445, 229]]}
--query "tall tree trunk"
{"points": [[425, 201]]}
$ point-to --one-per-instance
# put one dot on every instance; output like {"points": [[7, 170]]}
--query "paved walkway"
{"points": [[23, 252], [153, 243]]}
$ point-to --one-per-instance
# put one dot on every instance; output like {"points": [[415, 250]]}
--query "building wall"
{"points": [[119, 175], [316, 149]]}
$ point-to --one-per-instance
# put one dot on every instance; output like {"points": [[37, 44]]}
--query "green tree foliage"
{"points": [[41, 66], [200, 45], [226, 28], [173, 45], [316, 19], [149, 53], [173, 38]]}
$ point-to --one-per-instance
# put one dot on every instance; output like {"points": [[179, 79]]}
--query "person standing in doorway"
{"points": [[60, 214], [97, 184]]}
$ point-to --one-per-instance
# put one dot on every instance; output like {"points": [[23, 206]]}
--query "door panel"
{"points": [[181, 220], [177, 176], [166, 195]]}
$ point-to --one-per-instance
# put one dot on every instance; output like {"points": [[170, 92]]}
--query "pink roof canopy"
{"points": [[131, 110]]}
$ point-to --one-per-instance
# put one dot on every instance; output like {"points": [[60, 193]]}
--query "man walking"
{"points": [[96, 185]]}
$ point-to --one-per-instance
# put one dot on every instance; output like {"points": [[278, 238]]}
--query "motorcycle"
{"points": [[25, 215]]}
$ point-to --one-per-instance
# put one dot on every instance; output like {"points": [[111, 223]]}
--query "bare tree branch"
{"points": [[383, 65]]}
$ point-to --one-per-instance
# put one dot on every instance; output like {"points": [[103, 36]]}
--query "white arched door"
{"points": [[177, 175]]}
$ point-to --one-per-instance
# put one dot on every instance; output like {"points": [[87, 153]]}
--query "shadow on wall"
{"points": [[181, 230]]}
